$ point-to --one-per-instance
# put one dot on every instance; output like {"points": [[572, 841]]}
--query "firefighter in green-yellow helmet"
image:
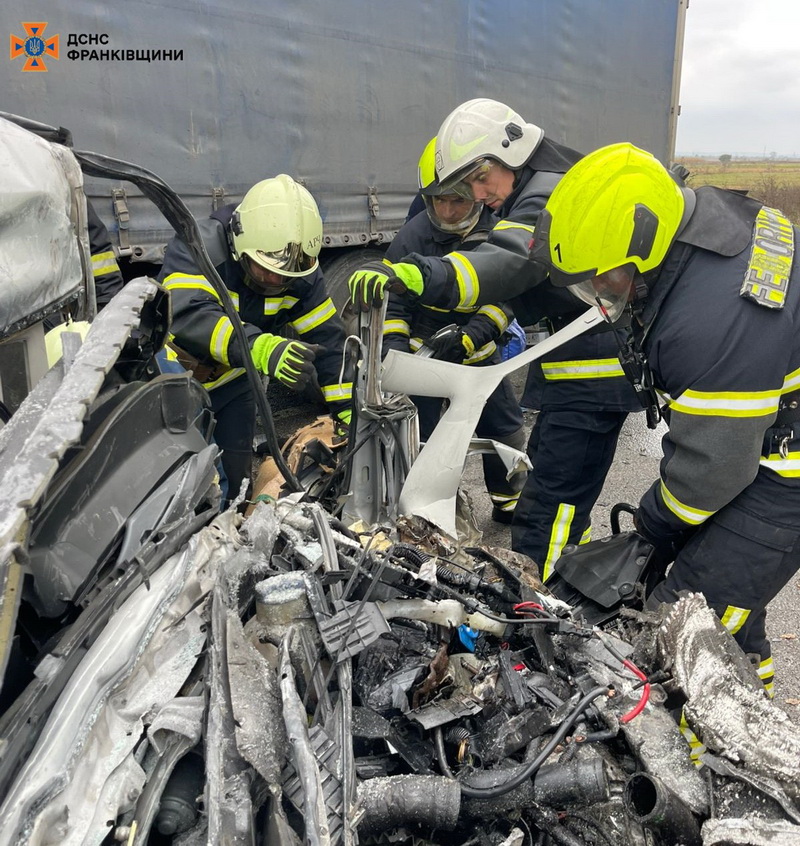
{"points": [[712, 283], [472, 337], [266, 250]]}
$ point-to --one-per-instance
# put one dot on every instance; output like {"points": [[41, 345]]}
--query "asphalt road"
{"points": [[634, 469]]}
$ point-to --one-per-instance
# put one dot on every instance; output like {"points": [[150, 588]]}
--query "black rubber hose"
{"points": [[181, 220], [424, 801], [529, 769]]}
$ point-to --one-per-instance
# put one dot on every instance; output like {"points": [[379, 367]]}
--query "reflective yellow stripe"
{"points": [[103, 263], [399, 327], [272, 305], [586, 536], [414, 344], [696, 745], [198, 283], [486, 351], [338, 393], [317, 316], [232, 374], [559, 535], [220, 338], [434, 308], [505, 502], [766, 672], [727, 403], [496, 315], [788, 467], [734, 618], [235, 299], [590, 368], [510, 224], [467, 280], [791, 382], [693, 516]]}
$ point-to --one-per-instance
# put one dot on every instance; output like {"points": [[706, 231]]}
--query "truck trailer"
{"points": [[340, 94]]}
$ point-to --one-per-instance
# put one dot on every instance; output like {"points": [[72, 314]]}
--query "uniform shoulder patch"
{"points": [[766, 279]]}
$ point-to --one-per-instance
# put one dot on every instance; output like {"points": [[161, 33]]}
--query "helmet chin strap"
{"points": [[634, 363]]}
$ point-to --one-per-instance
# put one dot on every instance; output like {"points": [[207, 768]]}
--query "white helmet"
{"points": [[277, 226], [483, 129]]}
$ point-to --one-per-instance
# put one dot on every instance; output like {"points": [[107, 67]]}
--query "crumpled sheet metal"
{"points": [[41, 439], [750, 831], [432, 482], [41, 203], [726, 704], [135, 667]]}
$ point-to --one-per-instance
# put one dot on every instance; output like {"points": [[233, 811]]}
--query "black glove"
{"points": [[666, 544], [451, 343]]}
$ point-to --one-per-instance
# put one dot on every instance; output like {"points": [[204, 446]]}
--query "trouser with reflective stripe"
{"points": [[235, 412], [500, 420], [571, 452], [740, 559]]}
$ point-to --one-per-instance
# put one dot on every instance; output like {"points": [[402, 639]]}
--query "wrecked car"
{"points": [[347, 664]]}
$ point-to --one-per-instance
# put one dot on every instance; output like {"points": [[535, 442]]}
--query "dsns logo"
{"points": [[34, 47]]}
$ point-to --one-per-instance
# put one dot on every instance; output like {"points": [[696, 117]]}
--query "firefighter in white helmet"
{"points": [[487, 150], [266, 250]]}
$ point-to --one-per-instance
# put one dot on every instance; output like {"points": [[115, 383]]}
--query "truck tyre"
{"points": [[338, 270]]}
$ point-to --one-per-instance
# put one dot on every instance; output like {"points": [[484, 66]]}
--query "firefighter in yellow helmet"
{"points": [[713, 284], [471, 337], [266, 250]]}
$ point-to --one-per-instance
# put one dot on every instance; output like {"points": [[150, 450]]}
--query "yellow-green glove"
{"points": [[369, 282], [290, 362], [341, 425]]}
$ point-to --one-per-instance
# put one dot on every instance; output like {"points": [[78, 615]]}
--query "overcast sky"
{"points": [[740, 86]]}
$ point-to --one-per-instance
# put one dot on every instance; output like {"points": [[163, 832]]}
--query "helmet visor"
{"points": [[459, 182], [610, 291], [291, 260], [452, 212]]}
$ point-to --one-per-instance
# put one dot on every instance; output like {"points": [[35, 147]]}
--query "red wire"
{"points": [[535, 605], [639, 707]]}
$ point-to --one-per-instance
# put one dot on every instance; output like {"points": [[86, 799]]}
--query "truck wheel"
{"points": [[338, 270]]}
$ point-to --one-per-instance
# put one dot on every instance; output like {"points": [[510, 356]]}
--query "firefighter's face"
{"points": [[263, 281], [491, 183], [452, 208]]}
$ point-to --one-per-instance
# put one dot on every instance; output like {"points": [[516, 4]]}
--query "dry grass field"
{"points": [[776, 183]]}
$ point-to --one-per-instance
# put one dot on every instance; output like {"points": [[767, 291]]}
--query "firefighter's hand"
{"points": [[290, 362], [368, 284], [452, 343]]}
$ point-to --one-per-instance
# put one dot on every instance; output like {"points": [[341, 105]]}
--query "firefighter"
{"points": [[266, 251], [451, 221], [711, 279], [486, 148], [108, 279]]}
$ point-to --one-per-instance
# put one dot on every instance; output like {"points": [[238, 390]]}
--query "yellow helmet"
{"points": [[277, 226], [451, 211], [613, 214]]}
